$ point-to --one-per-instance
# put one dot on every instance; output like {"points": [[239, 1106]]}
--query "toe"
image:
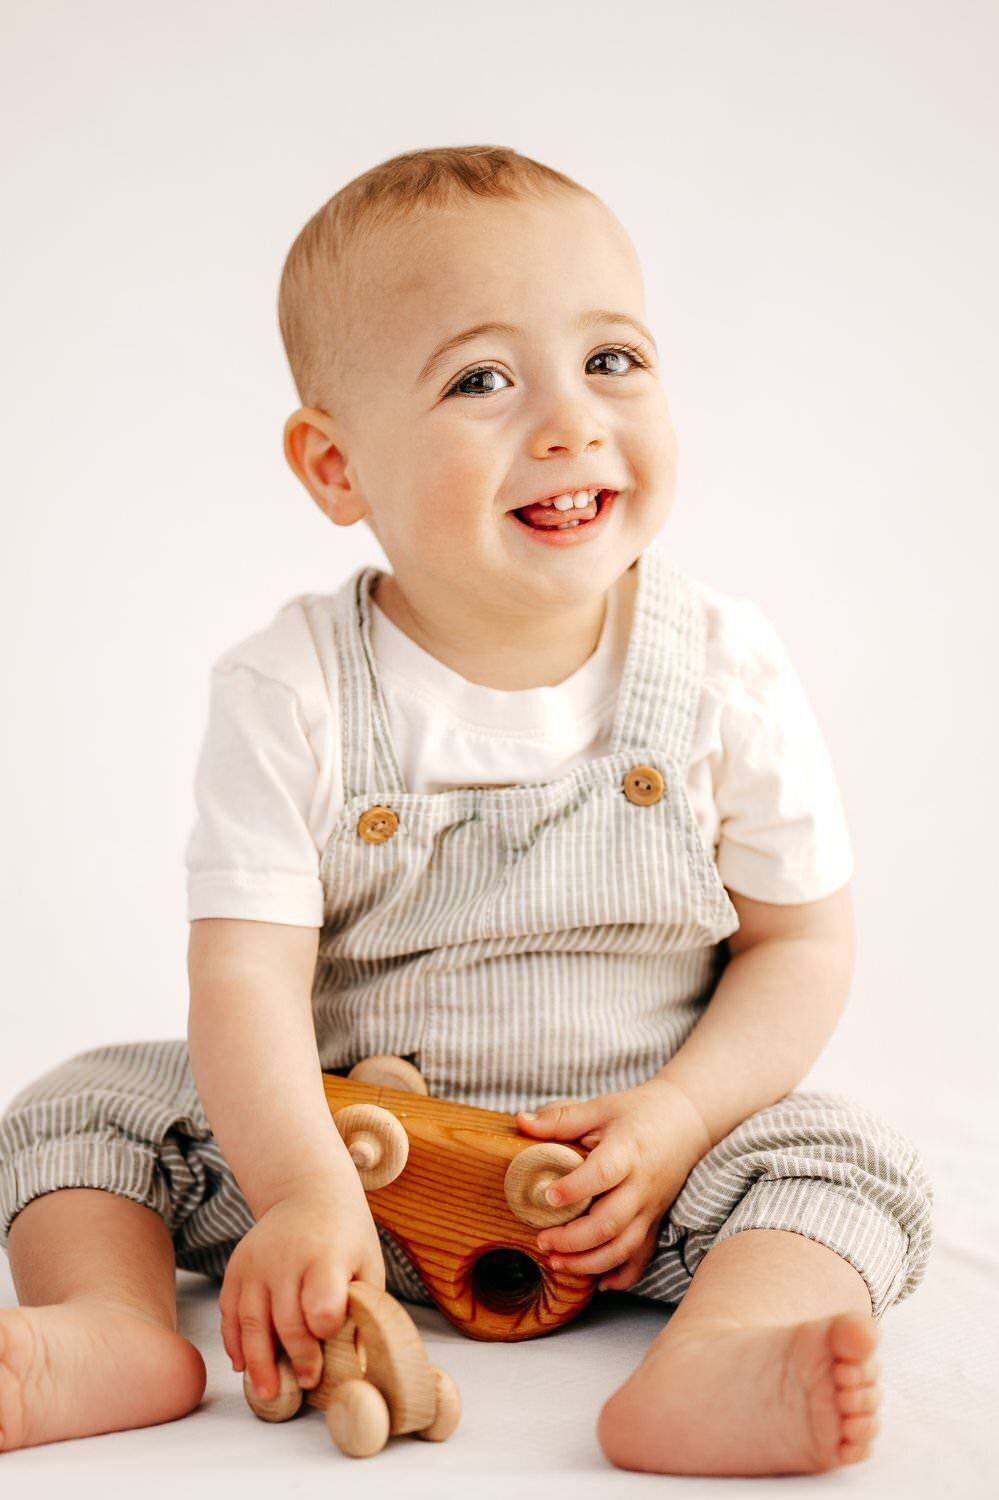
{"points": [[852, 1453], [861, 1398], [858, 1429], [853, 1337], [848, 1373]]}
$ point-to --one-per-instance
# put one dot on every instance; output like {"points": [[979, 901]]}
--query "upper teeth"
{"points": [[578, 498]]}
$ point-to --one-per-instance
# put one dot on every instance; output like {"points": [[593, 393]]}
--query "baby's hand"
{"points": [[289, 1274], [645, 1141]]}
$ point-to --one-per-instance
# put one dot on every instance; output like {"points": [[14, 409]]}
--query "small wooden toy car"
{"points": [[376, 1380], [461, 1190]]}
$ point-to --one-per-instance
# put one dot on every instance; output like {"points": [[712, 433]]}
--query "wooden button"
{"points": [[643, 785], [376, 824]]}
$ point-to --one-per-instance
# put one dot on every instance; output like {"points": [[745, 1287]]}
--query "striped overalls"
{"points": [[521, 943]]}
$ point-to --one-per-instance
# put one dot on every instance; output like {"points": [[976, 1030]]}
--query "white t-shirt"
{"points": [[268, 782]]}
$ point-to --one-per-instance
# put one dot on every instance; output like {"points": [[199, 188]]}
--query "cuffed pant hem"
{"points": [[873, 1243], [98, 1159]]}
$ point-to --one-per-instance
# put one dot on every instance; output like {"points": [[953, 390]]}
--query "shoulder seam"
{"points": [[242, 666], [245, 666]]}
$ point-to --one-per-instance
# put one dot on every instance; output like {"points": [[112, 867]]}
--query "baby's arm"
{"points": [[776, 1005], [254, 1056], [256, 1065]]}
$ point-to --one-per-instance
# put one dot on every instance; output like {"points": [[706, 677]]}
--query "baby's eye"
{"points": [[620, 351], [482, 370]]}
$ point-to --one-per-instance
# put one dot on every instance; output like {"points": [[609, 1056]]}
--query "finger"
{"points": [[300, 1344], [608, 1218], [324, 1299], [623, 1277], [257, 1335], [603, 1169], [606, 1257], [562, 1122], [229, 1315]]}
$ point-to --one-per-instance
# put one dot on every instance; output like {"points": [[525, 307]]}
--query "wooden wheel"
{"points": [[390, 1073], [377, 1142], [528, 1177], [448, 1412], [358, 1418], [289, 1396]]}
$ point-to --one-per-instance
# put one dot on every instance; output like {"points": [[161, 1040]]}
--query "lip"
{"points": [[572, 536]]}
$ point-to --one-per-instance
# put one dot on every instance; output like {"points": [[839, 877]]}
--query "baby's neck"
{"points": [[512, 666]]}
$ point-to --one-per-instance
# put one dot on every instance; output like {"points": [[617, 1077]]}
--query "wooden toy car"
{"points": [[461, 1190], [376, 1380]]}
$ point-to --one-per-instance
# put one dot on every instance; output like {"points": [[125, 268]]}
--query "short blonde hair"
{"points": [[316, 282]]}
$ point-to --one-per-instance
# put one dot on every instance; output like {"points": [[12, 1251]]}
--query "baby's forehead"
{"points": [[499, 260], [472, 243], [413, 284]]}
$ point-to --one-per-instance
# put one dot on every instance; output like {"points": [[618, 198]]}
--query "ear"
{"points": [[312, 451]]}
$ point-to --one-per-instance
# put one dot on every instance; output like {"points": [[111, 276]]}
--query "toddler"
{"points": [[534, 809]]}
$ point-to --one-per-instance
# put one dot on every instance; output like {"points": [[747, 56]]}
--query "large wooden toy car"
{"points": [[376, 1380], [461, 1190]]}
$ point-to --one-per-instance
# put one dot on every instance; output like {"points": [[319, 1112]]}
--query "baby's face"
{"points": [[438, 453]]}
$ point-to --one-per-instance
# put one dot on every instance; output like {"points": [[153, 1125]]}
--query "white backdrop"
{"points": [[811, 190]]}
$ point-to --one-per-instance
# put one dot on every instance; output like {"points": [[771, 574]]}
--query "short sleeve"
{"points": [[250, 853], [783, 835]]}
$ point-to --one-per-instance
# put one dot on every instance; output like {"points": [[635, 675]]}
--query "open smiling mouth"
{"points": [[559, 527]]}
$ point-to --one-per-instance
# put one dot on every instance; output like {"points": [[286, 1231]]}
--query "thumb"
{"points": [[564, 1120], [324, 1301]]}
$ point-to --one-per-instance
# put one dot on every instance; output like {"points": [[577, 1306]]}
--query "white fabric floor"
{"points": [[530, 1409]]}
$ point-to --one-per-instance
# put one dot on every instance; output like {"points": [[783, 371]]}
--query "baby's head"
{"points": [[435, 430]]}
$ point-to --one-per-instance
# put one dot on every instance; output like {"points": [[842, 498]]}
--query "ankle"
{"points": [[104, 1301], [681, 1332]]}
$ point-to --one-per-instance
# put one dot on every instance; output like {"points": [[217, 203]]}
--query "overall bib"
{"points": [[551, 939]]}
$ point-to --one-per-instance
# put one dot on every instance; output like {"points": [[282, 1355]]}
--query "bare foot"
{"points": [[71, 1369], [791, 1400]]}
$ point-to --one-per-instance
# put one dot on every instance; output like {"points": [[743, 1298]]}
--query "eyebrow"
{"points": [[585, 320]]}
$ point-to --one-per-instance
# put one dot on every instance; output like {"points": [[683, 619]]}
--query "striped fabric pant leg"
{"points": [[815, 1164], [127, 1118]]}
